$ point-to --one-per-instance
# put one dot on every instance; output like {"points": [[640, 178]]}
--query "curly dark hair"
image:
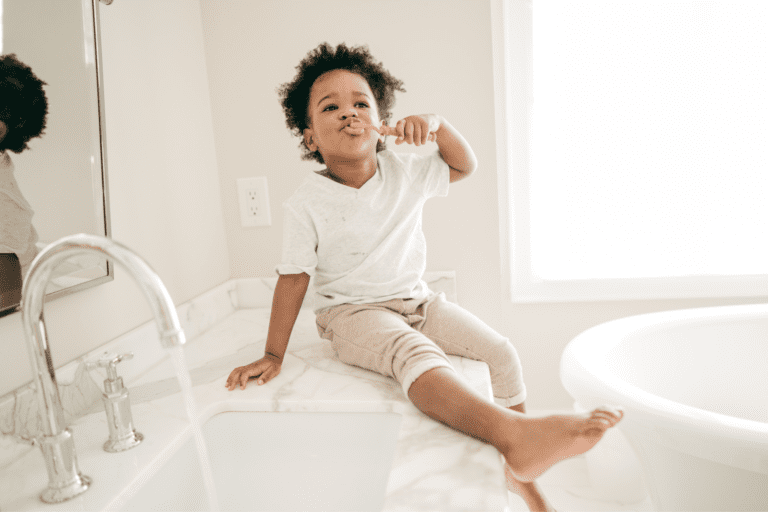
{"points": [[294, 96], [23, 105]]}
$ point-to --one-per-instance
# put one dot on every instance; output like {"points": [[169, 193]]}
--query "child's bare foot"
{"points": [[538, 443]]}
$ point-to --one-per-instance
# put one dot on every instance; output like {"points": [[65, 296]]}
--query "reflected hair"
{"points": [[23, 104], [294, 96]]}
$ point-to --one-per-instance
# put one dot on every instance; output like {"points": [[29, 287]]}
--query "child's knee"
{"points": [[512, 401], [507, 375], [504, 355], [414, 371]]}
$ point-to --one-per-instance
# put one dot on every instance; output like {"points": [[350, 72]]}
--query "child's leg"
{"points": [[529, 445], [459, 332], [381, 339]]}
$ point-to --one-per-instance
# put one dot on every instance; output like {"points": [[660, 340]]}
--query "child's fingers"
{"points": [[268, 375], [239, 376], [387, 130], [408, 131], [234, 377], [244, 376], [426, 135], [264, 369], [417, 134], [400, 129]]}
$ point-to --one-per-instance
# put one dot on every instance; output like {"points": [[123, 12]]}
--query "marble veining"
{"points": [[435, 467]]}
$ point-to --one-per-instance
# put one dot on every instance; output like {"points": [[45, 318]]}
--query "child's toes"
{"points": [[609, 420], [604, 417], [615, 413], [599, 422]]}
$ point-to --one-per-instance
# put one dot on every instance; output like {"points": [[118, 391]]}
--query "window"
{"points": [[635, 139]]}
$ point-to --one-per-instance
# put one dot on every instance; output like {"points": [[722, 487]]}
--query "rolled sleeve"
{"points": [[299, 244]]}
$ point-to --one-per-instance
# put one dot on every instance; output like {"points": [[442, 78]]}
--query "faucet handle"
{"points": [[109, 360], [122, 435]]}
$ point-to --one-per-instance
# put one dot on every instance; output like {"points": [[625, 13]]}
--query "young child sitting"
{"points": [[356, 227]]}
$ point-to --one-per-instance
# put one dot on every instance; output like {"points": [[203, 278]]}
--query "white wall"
{"points": [[164, 193], [442, 50]]}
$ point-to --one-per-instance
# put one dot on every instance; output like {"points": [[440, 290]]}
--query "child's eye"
{"points": [[332, 106]]}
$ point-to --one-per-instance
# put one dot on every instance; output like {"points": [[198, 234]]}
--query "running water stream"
{"points": [[185, 380]]}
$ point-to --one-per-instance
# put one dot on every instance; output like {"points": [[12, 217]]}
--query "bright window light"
{"points": [[649, 139]]}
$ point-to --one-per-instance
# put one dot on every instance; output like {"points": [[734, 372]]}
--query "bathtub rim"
{"points": [[583, 372]]}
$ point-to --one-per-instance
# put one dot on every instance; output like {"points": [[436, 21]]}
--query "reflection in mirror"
{"points": [[23, 110], [52, 163]]}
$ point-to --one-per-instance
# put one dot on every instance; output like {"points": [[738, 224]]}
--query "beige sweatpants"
{"points": [[403, 338]]}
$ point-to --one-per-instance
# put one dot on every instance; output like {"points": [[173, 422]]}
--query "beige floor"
{"points": [[566, 485]]}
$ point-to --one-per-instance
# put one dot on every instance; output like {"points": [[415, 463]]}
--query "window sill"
{"points": [[525, 289]]}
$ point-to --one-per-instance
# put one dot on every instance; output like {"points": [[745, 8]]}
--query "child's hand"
{"points": [[265, 368], [414, 129]]}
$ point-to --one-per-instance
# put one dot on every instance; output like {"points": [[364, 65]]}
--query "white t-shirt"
{"points": [[363, 245], [17, 234]]}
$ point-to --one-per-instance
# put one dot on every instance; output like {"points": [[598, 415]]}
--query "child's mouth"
{"points": [[354, 130], [354, 127]]}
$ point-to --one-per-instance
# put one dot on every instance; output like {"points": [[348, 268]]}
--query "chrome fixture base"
{"points": [[120, 445], [64, 479], [79, 486]]}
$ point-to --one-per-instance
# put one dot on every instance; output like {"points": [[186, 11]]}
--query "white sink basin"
{"points": [[281, 461]]}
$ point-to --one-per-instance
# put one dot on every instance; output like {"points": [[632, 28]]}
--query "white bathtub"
{"points": [[694, 385]]}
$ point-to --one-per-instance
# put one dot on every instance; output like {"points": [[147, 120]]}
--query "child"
{"points": [[23, 111], [356, 227]]}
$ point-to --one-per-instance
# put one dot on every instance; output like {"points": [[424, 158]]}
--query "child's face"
{"points": [[335, 99]]}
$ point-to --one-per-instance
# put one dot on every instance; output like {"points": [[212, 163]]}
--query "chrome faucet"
{"points": [[64, 478]]}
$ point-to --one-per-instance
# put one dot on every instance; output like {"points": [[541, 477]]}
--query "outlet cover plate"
{"points": [[254, 201]]}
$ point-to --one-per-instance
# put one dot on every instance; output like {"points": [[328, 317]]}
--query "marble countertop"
{"points": [[435, 468]]}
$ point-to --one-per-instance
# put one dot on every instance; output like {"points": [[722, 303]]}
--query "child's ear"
{"points": [[308, 140]]}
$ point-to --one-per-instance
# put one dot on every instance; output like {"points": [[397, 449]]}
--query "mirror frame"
{"points": [[96, 26]]}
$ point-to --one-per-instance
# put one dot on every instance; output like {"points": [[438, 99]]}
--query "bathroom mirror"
{"points": [[63, 173]]}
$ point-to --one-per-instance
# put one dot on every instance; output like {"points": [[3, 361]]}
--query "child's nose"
{"points": [[349, 112]]}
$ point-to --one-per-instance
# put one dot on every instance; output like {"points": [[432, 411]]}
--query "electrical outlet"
{"points": [[254, 202]]}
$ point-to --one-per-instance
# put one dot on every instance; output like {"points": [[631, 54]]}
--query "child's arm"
{"points": [[286, 304], [455, 150]]}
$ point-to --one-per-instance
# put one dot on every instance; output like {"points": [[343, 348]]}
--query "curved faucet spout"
{"points": [[65, 480]]}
